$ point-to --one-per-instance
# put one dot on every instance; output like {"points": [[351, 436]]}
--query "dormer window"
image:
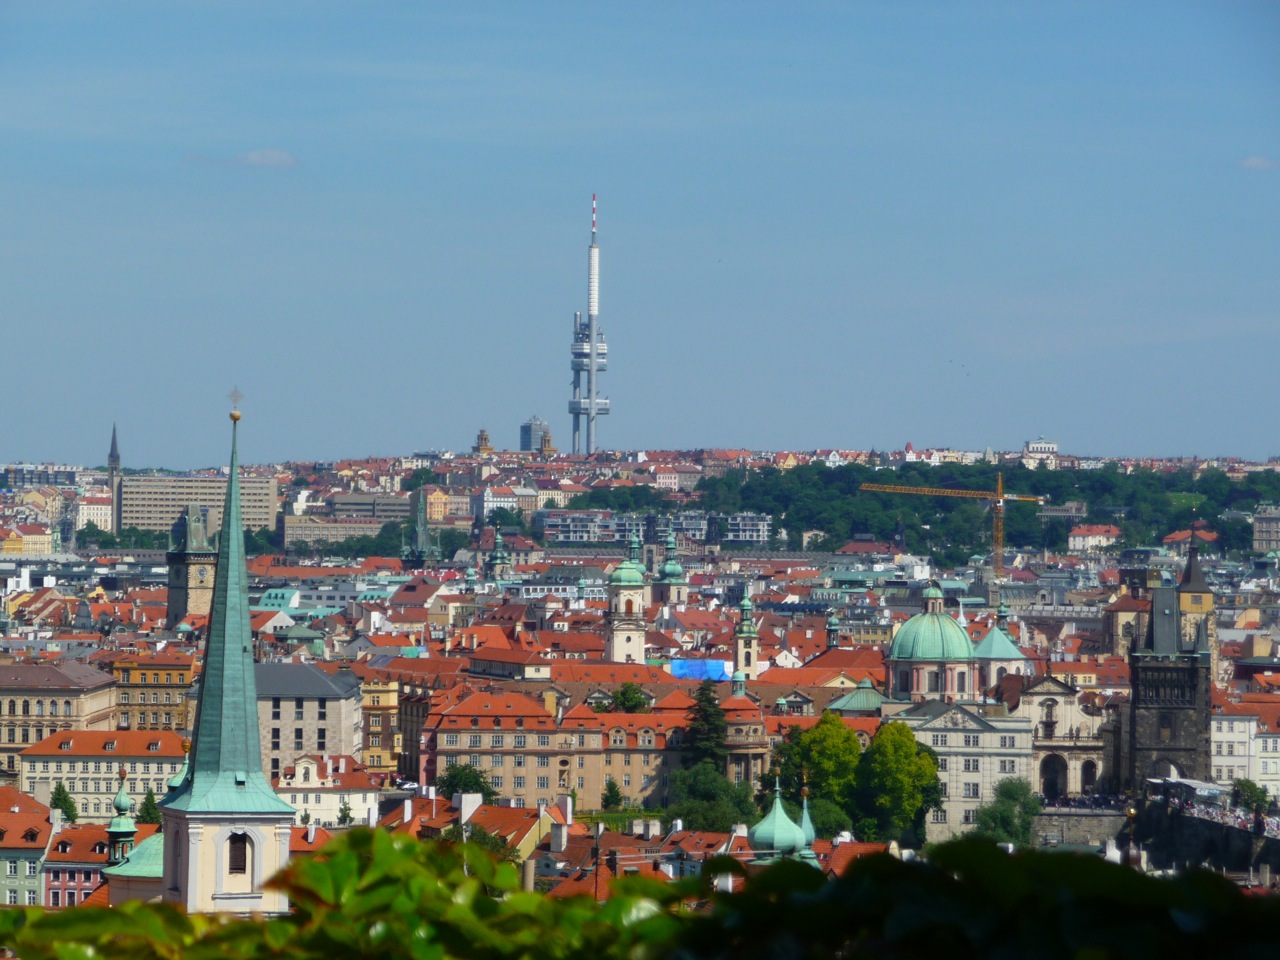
{"points": [[64, 847], [109, 745], [65, 745], [154, 746], [31, 835]]}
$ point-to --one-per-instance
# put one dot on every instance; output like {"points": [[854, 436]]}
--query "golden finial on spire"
{"points": [[235, 396]]}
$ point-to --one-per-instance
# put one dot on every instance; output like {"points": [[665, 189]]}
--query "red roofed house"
{"points": [[1089, 537]]}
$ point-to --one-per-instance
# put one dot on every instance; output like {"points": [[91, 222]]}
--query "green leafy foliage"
{"points": [[371, 894], [1009, 817], [148, 810], [487, 841], [463, 778], [1251, 796], [345, 816], [826, 756], [629, 698], [896, 779], [703, 799], [60, 799]]}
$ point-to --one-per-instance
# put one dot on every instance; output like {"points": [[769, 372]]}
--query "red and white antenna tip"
{"points": [[593, 213]]}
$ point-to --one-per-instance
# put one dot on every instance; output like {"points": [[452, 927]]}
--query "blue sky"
{"points": [[821, 224]]}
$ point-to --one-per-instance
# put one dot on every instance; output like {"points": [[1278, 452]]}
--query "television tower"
{"points": [[589, 352]]}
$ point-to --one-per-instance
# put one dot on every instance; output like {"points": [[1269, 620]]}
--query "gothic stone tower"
{"points": [[113, 481], [192, 563], [225, 830], [1167, 729]]}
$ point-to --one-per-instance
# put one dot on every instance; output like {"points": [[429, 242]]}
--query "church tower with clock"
{"points": [[193, 560]]}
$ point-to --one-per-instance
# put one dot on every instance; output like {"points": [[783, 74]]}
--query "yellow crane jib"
{"points": [[997, 497]]}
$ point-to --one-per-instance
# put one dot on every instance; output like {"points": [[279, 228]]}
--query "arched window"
{"points": [[66, 708], [53, 708], [26, 708], [631, 606], [39, 708], [13, 708], [238, 853]]}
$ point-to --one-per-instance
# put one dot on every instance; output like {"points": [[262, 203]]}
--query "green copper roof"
{"points": [[746, 626], [864, 698], [630, 572], [997, 645], [671, 571], [224, 768], [121, 822], [933, 637], [777, 831], [144, 860], [806, 824]]}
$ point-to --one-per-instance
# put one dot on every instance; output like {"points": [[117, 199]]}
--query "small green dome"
{"points": [[630, 572], [184, 627], [932, 636], [776, 832]]}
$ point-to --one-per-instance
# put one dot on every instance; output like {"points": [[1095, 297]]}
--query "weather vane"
{"points": [[235, 396]]}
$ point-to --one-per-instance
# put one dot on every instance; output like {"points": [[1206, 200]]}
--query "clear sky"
{"points": [[821, 224]]}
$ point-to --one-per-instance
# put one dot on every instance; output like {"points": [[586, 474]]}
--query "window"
{"points": [[55, 898], [238, 853], [970, 764], [450, 739], [518, 741], [124, 697], [544, 761], [971, 791], [275, 738], [544, 783], [497, 740], [582, 782], [971, 740], [942, 764], [322, 710], [939, 816], [297, 708], [1007, 743], [969, 816], [13, 868], [517, 783], [1008, 766], [473, 740], [626, 779], [31, 868], [582, 763], [321, 737], [13, 898], [474, 759], [496, 782], [496, 759], [275, 708], [939, 740], [297, 738], [544, 740]]}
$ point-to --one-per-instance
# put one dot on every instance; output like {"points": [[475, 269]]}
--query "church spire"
{"points": [[225, 764], [113, 458]]}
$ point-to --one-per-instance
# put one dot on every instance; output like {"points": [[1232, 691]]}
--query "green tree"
{"points": [[148, 810], [707, 728], [1010, 816], [894, 777], [419, 477], [345, 817], [464, 778], [826, 756], [704, 799], [60, 799], [629, 698], [1250, 796], [612, 797], [502, 518]]}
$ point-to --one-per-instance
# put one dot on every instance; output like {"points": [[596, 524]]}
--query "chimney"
{"points": [[528, 871], [467, 804], [559, 837], [55, 819], [565, 802], [311, 832], [408, 809], [342, 764]]}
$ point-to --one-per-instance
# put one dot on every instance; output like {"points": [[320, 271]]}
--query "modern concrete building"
{"points": [[303, 710], [155, 503]]}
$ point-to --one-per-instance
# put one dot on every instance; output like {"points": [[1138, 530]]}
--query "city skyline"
{"points": [[823, 226]]}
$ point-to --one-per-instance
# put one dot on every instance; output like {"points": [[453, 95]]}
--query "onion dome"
{"points": [[122, 823], [630, 572], [176, 780], [806, 825], [933, 635], [776, 832], [671, 571]]}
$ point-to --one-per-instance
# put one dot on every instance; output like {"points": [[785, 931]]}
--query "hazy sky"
{"points": [[821, 224]]}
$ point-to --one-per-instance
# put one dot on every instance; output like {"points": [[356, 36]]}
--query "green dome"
{"points": [[932, 636], [671, 571], [776, 832], [630, 572]]}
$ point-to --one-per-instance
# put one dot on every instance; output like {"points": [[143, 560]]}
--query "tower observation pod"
{"points": [[589, 353]]}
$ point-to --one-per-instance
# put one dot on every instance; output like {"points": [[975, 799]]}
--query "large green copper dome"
{"points": [[776, 832], [932, 636], [630, 572]]}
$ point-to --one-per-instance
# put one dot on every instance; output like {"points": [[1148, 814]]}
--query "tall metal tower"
{"points": [[589, 352]]}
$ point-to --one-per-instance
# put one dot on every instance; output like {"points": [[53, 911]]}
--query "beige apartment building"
{"points": [[39, 700], [154, 503]]}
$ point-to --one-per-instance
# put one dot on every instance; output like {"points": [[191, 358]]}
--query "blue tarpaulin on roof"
{"points": [[701, 669]]}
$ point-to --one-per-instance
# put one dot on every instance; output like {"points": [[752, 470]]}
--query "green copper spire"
{"points": [[224, 768], [121, 830]]}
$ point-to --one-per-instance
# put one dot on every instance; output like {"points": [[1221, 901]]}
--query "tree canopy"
{"points": [[826, 757], [707, 728], [464, 778], [148, 810], [1008, 818], [703, 799], [60, 799], [896, 780]]}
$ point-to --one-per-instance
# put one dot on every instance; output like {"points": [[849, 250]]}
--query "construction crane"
{"points": [[997, 497]]}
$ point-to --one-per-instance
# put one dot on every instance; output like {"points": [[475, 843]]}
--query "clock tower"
{"points": [[193, 561]]}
